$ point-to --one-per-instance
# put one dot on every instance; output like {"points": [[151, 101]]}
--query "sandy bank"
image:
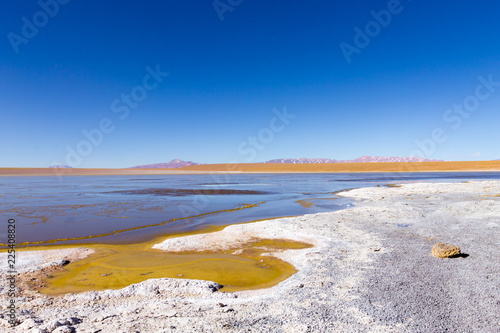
{"points": [[393, 167], [370, 271]]}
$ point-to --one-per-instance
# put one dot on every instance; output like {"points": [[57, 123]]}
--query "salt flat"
{"points": [[370, 270]]}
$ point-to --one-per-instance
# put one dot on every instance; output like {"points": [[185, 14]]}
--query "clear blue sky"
{"points": [[74, 72]]}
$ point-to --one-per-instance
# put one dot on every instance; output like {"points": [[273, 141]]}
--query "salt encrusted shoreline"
{"points": [[370, 271], [30, 261]]}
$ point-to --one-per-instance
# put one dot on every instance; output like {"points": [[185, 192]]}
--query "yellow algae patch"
{"points": [[278, 244], [304, 203], [44, 219], [308, 203], [117, 266]]}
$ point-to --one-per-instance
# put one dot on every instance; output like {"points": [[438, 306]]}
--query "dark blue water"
{"points": [[107, 206]]}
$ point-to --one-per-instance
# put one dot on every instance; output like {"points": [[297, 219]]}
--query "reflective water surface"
{"points": [[126, 209]]}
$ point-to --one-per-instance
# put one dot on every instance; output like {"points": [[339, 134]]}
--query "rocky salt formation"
{"points": [[441, 250]]}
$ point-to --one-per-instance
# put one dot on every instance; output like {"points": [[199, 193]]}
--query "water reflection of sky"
{"points": [[81, 206]]}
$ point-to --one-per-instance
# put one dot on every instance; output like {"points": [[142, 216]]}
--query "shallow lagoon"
{"points": [[131, 209]]}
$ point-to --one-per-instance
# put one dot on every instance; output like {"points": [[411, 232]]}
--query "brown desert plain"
{"points": [[267, 168]]}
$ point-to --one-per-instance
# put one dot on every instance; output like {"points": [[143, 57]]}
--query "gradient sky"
{"points": [[227, 76]]}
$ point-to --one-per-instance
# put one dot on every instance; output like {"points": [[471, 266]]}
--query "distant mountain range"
{"points": [[364, 159], [60, 166], [176, 163], [173, 164], [302, 160]]}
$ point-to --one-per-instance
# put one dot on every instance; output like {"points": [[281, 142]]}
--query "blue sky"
{"points": [[68, 69]]}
